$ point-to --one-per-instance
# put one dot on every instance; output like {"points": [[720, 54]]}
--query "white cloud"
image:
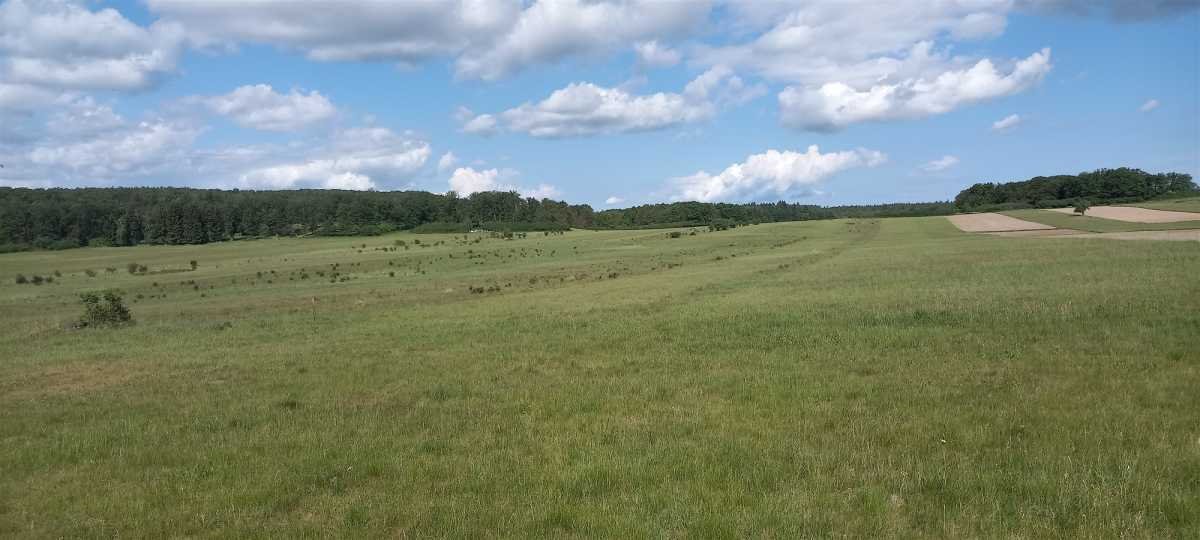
{"points": [[655, 55], [490, 39], [63, 45], [484, 124], [835, 105], [467, 180], [1149, 106], [613, 200], [940, 164], [856, 43], [542, 191], [138, 150], [551, 30], [1007, 123], [773, 173], [357, 158], [582, 109], [261, 107], [447, 162]]}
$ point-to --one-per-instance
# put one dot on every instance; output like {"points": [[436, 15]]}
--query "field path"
{"points": [[1134, 214], [992, 222]]}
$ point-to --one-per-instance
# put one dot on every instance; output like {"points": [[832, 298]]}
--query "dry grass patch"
{"points": [[1135, 215], [992, 222]]}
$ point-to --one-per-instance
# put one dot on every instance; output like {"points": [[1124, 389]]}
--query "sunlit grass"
{"points": [[864, 378]]}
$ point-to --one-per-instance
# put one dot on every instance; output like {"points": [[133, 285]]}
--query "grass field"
{"points": [[1095, 224], [854, 378], [1189, 204]]}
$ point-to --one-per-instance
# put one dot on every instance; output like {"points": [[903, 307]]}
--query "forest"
{"points": [[1113, 186]]}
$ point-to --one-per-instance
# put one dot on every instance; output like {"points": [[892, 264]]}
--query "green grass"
{"points": [[1095, 224], [1189, 204], [869, 378]]}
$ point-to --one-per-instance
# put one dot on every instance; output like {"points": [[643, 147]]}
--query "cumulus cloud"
{"points": [[468, 180], [940, 164], [551, 30], [772, 173], [447, 162], [859, 44], [356, 158], [489, 39], [835, 105], [484, 124], [1149, 106], [613, 200], [261, 107], [582, 108], [63, 45], [128, 150], [1007, 123], [655, 55]]}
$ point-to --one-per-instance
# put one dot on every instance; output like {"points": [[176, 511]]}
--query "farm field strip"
{"points": [[1134, 214]]}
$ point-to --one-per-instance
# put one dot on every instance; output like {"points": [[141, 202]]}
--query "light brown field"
{"points": [[992, 222], [1036, 233], [1178, 235], [1135, 215]]}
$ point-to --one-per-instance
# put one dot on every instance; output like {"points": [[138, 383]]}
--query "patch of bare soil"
{"points": [[1135, 215], [1178, 235], [992, 222]]}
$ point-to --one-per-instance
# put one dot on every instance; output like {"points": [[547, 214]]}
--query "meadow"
{"points": [[870, 377]]}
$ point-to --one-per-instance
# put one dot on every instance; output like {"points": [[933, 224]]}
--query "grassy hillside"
{"points": [[856, 378], [1095, 224]]}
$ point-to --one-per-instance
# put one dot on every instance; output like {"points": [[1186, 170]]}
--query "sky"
{"points": [[612, 103]]}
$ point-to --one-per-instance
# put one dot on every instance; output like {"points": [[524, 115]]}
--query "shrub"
{"points": [[21, 279], [132, 267], [1081, 207], [675, 234], [90, 272], [37, 280], [104, 309], [193, 264]]}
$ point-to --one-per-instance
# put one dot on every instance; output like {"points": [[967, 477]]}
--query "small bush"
{"points": [[21, 279], [132, 267], [90, 272], [37, 280], [194, 264], [103, 309]]}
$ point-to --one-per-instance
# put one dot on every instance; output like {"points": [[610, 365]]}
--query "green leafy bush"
{"points": [[104, 309]]}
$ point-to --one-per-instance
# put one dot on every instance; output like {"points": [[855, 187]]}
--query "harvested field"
{"points": [[1134, 214], [1179, 235], [1037, 233], [992, 222]]}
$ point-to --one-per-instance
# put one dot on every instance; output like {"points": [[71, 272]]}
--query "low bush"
{"points": [[104, 309]]}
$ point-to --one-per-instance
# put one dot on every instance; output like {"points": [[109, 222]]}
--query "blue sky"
{"points": [[611, 103]]}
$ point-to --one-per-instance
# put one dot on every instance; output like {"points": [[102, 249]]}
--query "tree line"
{"points": [[687, 214], [1100, 186], [65, 218]]}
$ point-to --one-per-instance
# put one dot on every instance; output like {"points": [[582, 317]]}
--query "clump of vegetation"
{"points": [[193, 264], [90, 272], [1081, 206], [104, 309]]}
